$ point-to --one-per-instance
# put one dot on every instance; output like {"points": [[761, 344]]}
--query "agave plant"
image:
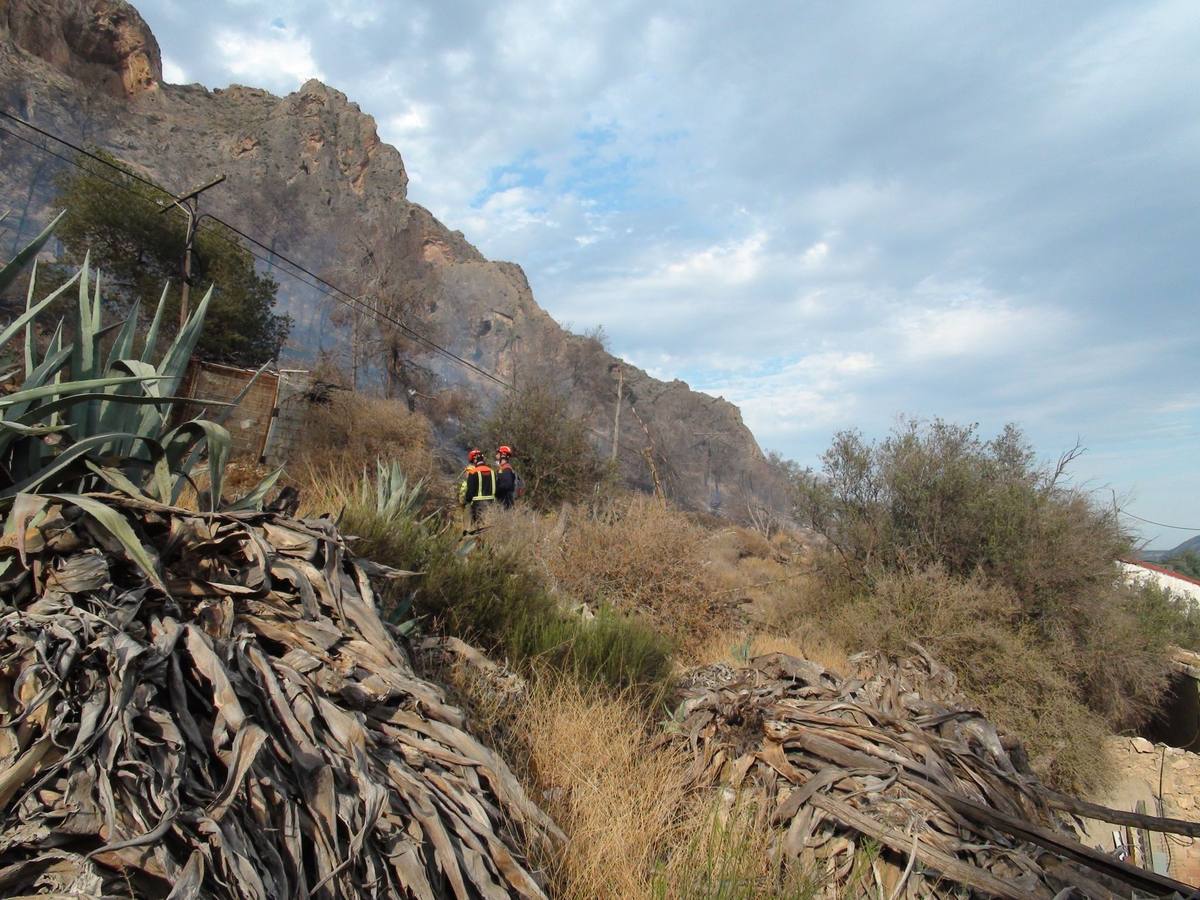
{"points": [[76, 419], [391, 496]]}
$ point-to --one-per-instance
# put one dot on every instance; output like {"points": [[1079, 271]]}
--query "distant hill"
{"points": [[1192, 545]]}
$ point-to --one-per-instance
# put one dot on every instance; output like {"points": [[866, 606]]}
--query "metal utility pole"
{"points": [[189, 203], [617, 417]]}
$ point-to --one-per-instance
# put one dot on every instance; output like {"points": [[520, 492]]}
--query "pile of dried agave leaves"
{"points": [[232, 720], [895, 755]]}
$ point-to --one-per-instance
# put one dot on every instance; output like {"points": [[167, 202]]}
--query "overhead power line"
{"points": [[1158, 524], [319, 283], [333, 290]]}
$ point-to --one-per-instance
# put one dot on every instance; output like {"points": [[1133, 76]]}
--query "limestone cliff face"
{"points": [[302, 169], [103, 41]]}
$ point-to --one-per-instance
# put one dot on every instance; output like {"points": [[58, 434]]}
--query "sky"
{"points": [[831, 214]]}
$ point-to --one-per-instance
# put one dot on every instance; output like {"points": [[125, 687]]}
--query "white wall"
{"points": [[1136, 574]]}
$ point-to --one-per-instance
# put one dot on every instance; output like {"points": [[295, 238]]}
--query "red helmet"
{"points": [[475, 456], [504, 450]]}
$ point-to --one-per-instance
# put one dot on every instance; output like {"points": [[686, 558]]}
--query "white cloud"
{"points": [[968, 330], [357, 13], [815, 255], [415, 118], [810, 394], [281, 61], [173, 73], [735, 262]]}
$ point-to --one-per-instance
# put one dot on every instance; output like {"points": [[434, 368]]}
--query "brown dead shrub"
{"points": [[644, 556], [351, 432], [634, 553], [970, 625]]}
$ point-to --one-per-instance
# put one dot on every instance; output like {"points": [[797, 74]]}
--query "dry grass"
{"points": [[352, 431], [591, 764], [806, 642], [606, 786], [634, 832], [637, 555], [724, 852]]}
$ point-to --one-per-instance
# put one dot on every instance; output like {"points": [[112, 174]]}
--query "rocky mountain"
{"points": [[303, 171]]}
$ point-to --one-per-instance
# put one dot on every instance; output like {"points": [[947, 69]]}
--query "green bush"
{"points": [[1186, 563], [612, 650], [118, 220]]}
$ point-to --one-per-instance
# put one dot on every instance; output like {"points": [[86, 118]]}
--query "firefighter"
{"points": [[478, 485], [506, 479]]}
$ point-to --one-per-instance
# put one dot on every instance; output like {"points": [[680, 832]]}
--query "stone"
{"points": [[1141, 745]]}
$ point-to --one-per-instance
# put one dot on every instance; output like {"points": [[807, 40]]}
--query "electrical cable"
{"points": [[331, 290], [1158, 524], [318, 283]]}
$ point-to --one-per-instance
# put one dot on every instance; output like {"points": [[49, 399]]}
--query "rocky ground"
{"points": [[1140, 767]]}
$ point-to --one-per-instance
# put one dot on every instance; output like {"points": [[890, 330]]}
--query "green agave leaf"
{"points": [[72, 454], [117, 479], [30, 430], [95, 316], [122, 347], [118, 527], [84, 332], [30, 314], [30, 349], [186, 440], [152, 334], [174, 364], [131, 400], [254, 499], [70, 387], [139, 408], [47, 368], [13, 267]]}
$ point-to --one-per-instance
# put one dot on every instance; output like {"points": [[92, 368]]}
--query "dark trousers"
{"points": [[476, 510]]}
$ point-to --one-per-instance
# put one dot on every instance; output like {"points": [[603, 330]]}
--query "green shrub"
{"points": [[118, 220], [612, 650], [1186, 563]]}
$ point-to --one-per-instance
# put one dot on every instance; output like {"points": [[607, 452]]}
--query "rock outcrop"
{"points": [[303, 169], [104, 42]]}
